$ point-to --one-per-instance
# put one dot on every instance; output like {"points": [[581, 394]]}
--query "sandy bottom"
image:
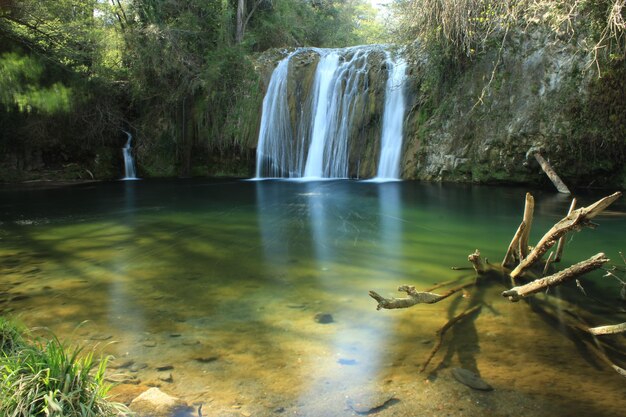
{"points": [[265, 354]]}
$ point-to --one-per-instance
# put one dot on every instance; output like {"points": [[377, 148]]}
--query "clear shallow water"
{"points": [[221, 280]]}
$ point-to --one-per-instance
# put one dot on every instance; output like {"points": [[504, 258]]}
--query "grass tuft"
{"points": [[45, 377]]}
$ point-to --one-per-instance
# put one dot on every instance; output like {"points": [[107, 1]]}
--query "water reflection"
{"points": [[227, 278], [333, 227], [124, 313]]}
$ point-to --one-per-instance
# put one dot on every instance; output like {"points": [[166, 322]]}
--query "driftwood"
{"points": [[547, 168], [561, 245], [575, 221], [477, 262], [546, 267], [414, 297], [518, 248], [568, 274], [613, 329], [520, 261], [510, 258], [529, 210]]}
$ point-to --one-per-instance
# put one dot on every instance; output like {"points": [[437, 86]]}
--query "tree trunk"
{"points": [[241, 10], [551, 173]]}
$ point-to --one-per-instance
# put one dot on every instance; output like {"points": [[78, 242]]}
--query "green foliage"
{"points": [[11, 339], [68, 32], [73, 73], [464, 28], [20, 86], [47, 378]]}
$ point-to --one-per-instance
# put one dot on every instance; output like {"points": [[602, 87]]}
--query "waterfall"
{"points": [[322, 114], [129, 163], [393, 117], [324, 80], [275, 134]]}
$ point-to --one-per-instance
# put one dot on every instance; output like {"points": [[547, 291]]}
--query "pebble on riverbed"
{"points": [[324, 318], [367, 403], [470, 379]]}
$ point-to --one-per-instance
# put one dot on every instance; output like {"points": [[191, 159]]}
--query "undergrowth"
{"points": [[46, 377]]}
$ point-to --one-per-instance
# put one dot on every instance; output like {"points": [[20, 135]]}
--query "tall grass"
{"points": [[466, 27], [40, 377]]}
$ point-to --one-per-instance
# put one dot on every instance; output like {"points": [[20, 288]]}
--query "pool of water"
{"points": [[213, 290]]}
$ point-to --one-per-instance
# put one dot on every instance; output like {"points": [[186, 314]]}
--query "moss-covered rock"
{"points": [[476, 130]]}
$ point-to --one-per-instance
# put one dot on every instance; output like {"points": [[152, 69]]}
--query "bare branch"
{"points": [[414, 297], [576, 220], [613, 329], [561, 245], [477, 262], [529, 209], [517, 293], [512, 253], [547, 265]]}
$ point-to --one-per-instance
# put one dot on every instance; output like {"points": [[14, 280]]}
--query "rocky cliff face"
{"points": [[542, 97]]}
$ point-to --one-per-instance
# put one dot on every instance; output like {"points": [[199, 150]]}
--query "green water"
{"points": [[221, 281]]}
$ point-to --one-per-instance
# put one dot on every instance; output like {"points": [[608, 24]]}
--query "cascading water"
{"points": [[324, 80], [129, 163], [393, 117], [275, 134], [326, 124]]}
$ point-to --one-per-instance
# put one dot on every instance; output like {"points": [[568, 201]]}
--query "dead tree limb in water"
{"points": [[529, 210], [551, 173], [517, 258], [477, 262], [414, 297], [581, 268], [613, 329], [561, 245], [512, 255], [518, 248], [575, 221]]}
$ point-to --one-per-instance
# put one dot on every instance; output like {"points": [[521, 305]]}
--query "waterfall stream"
{"points": [[129, 163], [393, 117], [331, 121]]}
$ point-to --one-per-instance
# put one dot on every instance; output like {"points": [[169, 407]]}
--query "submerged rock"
{"points": [[470, 379], [166, 377], [206, 359], [156, 403], [120, 363], [370, 402], [323, 318]]}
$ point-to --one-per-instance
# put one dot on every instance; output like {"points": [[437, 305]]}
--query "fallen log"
{"points": [[575, 221], [517, 293], [551, 173]]}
